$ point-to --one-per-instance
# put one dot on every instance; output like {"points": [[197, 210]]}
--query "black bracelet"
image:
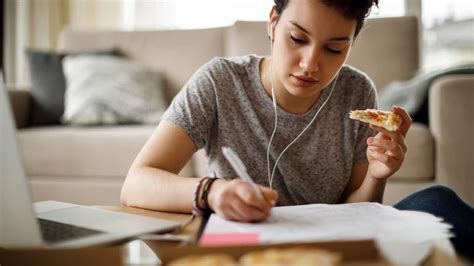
{"points": [[201, 198], [196, 209], [205, 194]]}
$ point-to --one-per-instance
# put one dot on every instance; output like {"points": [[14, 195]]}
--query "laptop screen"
{"points": [[18, 225]]}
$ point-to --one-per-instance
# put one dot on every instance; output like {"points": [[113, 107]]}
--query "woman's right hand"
{"points": [[236, 200]]}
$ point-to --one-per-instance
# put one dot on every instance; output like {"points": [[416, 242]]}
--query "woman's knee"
{"points": [[438, 193], [435, 195]]}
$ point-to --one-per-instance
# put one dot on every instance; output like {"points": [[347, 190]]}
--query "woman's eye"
{"points": [[296, 40], [334, 51]]}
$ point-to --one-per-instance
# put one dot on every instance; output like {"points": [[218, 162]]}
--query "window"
{"points": [[448, 33], [447, 27], [389, 8], [191, 14]]}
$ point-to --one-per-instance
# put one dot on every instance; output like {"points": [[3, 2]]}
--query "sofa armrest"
{"points": [[20, 102], [451, 110]]}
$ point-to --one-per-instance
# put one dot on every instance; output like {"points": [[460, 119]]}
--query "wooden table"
{"points": [[129, 253], [138, 253], [190, 230]]}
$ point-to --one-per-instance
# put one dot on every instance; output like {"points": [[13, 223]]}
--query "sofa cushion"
{"points": [[49, 85], [451, 109], [419, 160], [78, 151], [247, 37], [400, 63], [105, 89], [387, 49], [175, 53], [65, 151]]}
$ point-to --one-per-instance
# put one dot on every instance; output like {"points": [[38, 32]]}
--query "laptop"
{"points": [[54, 223]]}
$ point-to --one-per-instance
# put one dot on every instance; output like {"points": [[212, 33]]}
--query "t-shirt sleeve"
{"points": [[364, 131], [193, 108]]}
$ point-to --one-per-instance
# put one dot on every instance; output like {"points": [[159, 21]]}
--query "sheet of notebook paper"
{"points": [[354, 221]]}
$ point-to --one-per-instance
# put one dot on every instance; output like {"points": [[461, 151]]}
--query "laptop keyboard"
{"points": [[54, 232]]}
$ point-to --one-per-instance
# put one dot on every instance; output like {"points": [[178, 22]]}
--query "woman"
{"points": [[228, 102], [285, 115]]}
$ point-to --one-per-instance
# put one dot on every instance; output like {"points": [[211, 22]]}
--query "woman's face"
{"points": [[311, 43]]}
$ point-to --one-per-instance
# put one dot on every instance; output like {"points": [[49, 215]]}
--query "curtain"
{"points": [[38, 23], [30, 23], [96, 14]]}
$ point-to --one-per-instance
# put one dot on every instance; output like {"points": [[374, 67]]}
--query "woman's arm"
{"points": [[385, 153], [363, 188], [153, 181]]}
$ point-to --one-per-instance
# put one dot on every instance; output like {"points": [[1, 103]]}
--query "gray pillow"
{"points": [[48, 84], [109, 90]]}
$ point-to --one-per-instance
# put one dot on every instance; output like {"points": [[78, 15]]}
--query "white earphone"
{"points": [[271, 175], [270, 34]]}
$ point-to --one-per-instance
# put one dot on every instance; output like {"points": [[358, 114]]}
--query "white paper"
{"points": [[408, 233]]}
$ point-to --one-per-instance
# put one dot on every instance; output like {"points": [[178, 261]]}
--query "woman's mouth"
{"points": [[303, 81]]}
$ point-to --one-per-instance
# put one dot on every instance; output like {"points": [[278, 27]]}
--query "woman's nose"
{"points": [[310, 61]]}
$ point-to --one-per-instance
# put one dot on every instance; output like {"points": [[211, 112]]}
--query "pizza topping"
{"points": [[374, 116], [385, 119]]}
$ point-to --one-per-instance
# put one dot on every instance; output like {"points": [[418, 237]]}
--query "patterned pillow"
{"points": [[103, 89]]}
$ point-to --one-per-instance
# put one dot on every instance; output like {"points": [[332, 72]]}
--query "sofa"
{"points": [[87, 165]]}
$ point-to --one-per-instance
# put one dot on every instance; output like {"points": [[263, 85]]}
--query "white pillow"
{"points": [[103, 89]]}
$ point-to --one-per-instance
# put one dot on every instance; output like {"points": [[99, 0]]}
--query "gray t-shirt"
{"points": [[225, 104]]}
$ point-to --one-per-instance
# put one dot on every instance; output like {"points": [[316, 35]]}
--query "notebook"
{"points": [[54, 223]]}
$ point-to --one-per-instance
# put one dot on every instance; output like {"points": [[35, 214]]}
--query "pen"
{"points": [[240, 169]]}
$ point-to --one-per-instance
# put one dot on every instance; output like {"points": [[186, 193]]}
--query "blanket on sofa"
{"points": [[413, 94]]}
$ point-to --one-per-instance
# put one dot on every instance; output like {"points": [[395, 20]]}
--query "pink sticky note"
{"points": [[228, 239]]}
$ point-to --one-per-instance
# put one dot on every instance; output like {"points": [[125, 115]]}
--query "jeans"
{"points": [[443, 202]]}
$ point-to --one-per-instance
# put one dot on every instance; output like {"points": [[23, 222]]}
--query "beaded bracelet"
{"points": [[196, 209]]}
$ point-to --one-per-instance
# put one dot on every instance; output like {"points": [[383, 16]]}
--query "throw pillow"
{"points": [[48, 84], [111, 90]]}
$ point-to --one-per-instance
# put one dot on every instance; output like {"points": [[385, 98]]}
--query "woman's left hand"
{"points": [[386, 151]]}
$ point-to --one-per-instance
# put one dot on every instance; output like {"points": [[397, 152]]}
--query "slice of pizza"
{"points": [[385, 119]]}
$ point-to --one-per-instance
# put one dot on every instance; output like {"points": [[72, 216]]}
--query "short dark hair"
{"points": [[351, 9]]}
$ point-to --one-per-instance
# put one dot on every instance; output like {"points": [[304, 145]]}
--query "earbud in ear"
{"points": [[270, 33], [272, 26]]}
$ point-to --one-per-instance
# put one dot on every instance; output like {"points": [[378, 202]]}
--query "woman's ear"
{"points": [[272, 23]]}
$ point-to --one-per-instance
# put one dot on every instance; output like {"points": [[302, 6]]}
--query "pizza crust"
{"points": [[204, 260], [385, 119], [290, 256], [272, 256]]}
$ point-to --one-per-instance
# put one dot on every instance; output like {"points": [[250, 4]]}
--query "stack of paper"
{"points": [[414, 231]]}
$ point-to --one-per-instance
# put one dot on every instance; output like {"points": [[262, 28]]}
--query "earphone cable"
{"points": [[272, 174], [299, 135], [274, 128]]}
